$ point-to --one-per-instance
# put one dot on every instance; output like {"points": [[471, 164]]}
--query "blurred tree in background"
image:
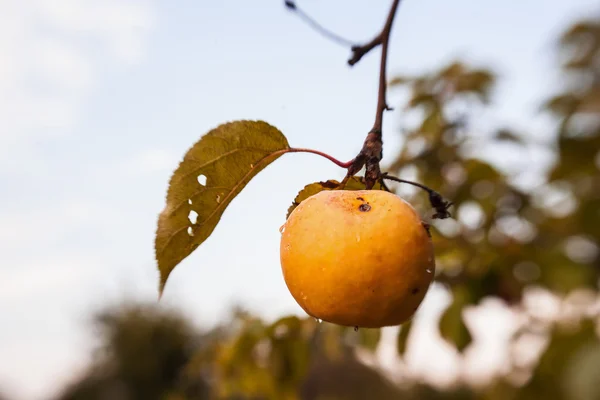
{"points": [[512, 232]]}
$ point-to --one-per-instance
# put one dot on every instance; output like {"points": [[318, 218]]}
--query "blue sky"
{"points": [[100, 100]]}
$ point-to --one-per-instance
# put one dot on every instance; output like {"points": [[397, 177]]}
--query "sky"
{"points": [[100, 100]]}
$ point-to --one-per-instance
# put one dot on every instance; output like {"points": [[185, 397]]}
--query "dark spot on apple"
{"points": [[415, 291], [364, 207]]}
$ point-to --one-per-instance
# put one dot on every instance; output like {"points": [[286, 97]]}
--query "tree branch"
{"points": [[372, 150], [385, 39], [291, 5]]}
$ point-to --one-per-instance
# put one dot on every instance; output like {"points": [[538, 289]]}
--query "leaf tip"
{"points": [[161, 285]]}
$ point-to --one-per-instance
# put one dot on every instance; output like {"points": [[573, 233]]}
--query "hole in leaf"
{"points": [[190, 231], [190, 201], [202, 179], [193, 216]]}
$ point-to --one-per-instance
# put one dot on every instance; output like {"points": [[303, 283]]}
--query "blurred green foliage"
{"points": [[509, 235]]}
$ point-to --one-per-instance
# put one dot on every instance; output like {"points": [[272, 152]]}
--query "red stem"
{"points": [[320, 153]]}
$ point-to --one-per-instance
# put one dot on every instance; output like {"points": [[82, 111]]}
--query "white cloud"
{"points": [[20, 228], [45, 277], [63, 65], [50, 52], [30, 303], [149, 161]]}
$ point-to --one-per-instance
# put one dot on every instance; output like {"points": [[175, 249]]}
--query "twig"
{"points": [[318, 27], [359, 51], [437, 201], [385, 39], [372, 150]]}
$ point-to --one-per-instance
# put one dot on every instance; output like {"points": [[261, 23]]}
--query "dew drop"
{"points": [[318, 320], [356, 329], [202, 180], [251, 166], [282, 228], [218, 198], [190, 201], [428, 270]]}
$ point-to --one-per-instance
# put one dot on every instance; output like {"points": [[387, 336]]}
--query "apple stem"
{"points": [[334, 160]]}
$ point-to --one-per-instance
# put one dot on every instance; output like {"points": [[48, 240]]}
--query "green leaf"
{"points": [[423, 99], [478, 81], [560, 372], [453, 71], [403, 337], [369, 338], [399, 80], [452, 325], [576, 157], [212, 173], [562, 105], [354, 183], [432, 124]]}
